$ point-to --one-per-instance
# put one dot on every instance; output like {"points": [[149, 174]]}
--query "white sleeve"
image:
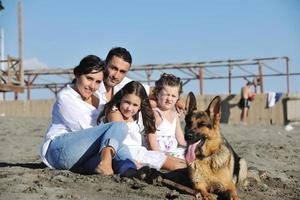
{"points": [[147, 88], [71, 115], [127, 80], [121, 84]]}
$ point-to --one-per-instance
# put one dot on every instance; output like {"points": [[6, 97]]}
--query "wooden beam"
{"points": [[10, 88]]}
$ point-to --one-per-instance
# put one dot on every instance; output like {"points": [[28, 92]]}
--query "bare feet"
{"points": [[104, 168], [105, 165]]}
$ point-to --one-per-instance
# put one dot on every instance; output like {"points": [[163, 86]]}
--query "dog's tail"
{"points": [[239, 170], [239, 167]]}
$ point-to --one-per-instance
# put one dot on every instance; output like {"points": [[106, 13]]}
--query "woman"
{"points": [[73, 141]]}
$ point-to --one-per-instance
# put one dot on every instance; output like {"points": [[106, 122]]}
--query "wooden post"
{"points": [[16, 95], [200, 71], [148, 74], [287, 75], [28, 88], [260, 77], [29, 84], [9, 63], [21, 70], [229, 77]]}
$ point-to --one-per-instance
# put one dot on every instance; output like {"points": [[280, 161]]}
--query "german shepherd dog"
{"points": [[213, 166]]}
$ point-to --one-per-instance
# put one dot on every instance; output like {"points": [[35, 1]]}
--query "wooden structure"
{"points": [[12, 77], [146, 73]]}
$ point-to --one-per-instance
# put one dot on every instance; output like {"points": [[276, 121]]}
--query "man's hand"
{"points": [[252, 96], [180, 107], [153, 103]]}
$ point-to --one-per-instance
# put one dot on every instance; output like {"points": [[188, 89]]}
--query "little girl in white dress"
{"points": [[169, 137], [166, 137]]}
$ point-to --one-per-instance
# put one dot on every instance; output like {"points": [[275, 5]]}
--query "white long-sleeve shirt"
{"points": [[70, 113]]}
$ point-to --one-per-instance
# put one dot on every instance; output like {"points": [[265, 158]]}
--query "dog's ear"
{"points": [[214, 108], [191, 103]]}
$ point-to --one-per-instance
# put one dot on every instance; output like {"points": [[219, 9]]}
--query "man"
{"points": [[118, 62], [246, 97]]}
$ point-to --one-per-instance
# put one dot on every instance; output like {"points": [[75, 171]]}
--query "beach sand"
{"points": [[271, 151]]}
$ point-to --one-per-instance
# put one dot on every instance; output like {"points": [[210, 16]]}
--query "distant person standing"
{"points": [[246, 97]]}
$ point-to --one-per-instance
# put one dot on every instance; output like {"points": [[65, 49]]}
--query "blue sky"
{"points": [[59, 33]]}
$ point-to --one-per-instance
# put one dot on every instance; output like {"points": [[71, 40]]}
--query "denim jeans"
{"points": [[80, 151]]}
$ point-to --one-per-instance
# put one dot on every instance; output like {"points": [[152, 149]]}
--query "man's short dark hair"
{"points": [[119, 52]]}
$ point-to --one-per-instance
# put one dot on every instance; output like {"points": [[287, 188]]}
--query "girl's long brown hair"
{"points": [[138, 89]]}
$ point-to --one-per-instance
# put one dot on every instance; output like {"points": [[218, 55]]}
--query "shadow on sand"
{"points": [[24, 165]]}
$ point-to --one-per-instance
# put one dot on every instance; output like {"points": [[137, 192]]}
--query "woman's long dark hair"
{"points": [[138, 89], [87, 65]]}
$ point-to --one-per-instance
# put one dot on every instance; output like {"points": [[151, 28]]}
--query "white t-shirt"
{"points": [[102, 90], [70, 113]]}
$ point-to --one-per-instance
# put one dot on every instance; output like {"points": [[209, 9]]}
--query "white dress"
{"points": [[166, 137], [139, 153]]}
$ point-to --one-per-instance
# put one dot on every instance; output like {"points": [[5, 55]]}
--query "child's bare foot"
{"points": [[104, 168], [137, 164]]}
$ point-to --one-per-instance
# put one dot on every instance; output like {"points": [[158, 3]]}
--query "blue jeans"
{"points": [[80, 151]]}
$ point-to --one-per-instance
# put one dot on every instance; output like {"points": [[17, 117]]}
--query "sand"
{"points": [[272, 151]]}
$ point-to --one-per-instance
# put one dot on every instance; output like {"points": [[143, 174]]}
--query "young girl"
{"points": [[169, 135], [125, 106]]}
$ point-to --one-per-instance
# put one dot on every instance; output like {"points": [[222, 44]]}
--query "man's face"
{"points": [[116, 70]]}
